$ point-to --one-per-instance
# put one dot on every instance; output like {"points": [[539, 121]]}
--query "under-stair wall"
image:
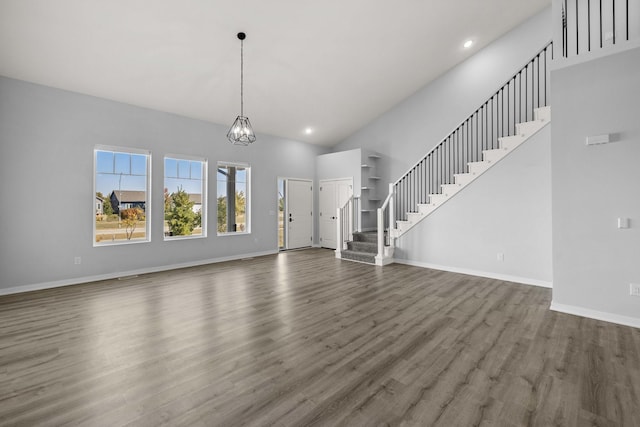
{"points": [[499, 226]]}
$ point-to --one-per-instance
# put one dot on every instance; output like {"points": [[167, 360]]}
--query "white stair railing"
{"points": [[347, 222], [500, 116], [385, 252]]}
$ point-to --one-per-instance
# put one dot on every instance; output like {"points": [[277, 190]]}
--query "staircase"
{"points": [[363, 247], [524, 131], [512, 115]]}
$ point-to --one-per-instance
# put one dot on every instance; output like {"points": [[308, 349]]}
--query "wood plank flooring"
{"points": [[303, 339]]}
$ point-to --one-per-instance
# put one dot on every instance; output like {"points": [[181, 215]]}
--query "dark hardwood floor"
{"points": [[302, 339]]}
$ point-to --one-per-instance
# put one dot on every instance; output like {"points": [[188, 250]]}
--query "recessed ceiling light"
{"points": [[468, 44], [308, 131]]}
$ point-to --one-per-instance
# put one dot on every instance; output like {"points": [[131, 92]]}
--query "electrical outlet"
{"points": [[634, 289], [500, 256], [77, 260]]}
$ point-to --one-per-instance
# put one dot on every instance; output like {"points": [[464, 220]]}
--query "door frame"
{"points": [[286, 209], [320, 182]]}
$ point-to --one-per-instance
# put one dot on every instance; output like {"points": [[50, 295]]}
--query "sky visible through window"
{"points": [[120, 171], [128, 171], [241, 180], [185, 174]]}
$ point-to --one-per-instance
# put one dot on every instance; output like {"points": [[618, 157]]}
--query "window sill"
{"points": [[105, 243], [175, 238], [234, 233]]}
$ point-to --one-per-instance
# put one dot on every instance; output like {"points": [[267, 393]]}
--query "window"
{"points": [[121, 182], [233, 184], [184, 197]]}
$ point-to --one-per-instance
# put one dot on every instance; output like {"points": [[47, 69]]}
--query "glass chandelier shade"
{"points": [[241, 132]]}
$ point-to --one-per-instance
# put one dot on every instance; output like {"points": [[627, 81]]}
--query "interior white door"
{"points": [[299, 213], [328, 214], [333, 194]]}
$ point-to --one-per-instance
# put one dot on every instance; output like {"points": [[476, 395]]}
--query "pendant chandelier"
{"points": [[241, 132]]}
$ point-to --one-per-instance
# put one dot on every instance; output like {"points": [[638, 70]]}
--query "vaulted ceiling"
{"points": [[330, 65]]}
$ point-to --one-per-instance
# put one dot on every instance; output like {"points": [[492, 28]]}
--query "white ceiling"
{"points": [[332, 65]]}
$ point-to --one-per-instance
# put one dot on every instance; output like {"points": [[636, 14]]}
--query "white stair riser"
{"points": [[450, 189], [426, 209], [493, 155], [542, 113], [403, 226], [529, 128], [510, 142], [478, 167], [414, 217], [464, 178], [436, 199]]}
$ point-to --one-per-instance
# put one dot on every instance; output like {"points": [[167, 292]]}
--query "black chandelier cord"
{"points": [[242, 77]]}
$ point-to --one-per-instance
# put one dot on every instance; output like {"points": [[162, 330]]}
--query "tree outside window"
{"points": [[184, 197]]}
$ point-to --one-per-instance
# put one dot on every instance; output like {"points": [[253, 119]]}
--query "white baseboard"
{"points": [[109, 276], [595, 314], [490, 275]]}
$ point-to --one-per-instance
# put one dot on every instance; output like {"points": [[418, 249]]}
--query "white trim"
{"points": [[233, 233], [185, 157], [148, 191], [186, 237], [336, 179], [233, 164], [595, 314], [121, 149], [123, 274], [490, 275], [623, 46]]}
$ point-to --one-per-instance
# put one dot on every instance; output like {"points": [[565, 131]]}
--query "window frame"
{"points": [[148, 207], [204, 196], [247, 168]]}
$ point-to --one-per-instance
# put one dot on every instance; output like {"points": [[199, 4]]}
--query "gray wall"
{"points": [[47, 137], [593, 261], [407, 132], [506, 210], [344, 164]]}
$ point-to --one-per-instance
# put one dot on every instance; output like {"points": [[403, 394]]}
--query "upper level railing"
{"points": [[589, 25], [513, 103]]}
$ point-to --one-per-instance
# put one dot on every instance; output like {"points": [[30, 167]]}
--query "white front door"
{"points": [[333, 194], [299, 213]]}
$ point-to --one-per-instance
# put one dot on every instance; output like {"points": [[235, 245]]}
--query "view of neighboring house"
{"points": [[99, 206], [127, 199], [197, 202]]}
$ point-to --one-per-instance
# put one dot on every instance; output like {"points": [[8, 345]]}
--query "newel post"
{"points": [[339, 233], [392, 213]]}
